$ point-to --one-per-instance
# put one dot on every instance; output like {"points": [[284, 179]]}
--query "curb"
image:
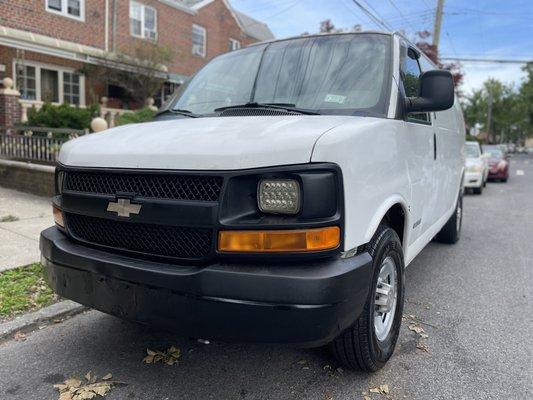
{"points": [[40, 318]]}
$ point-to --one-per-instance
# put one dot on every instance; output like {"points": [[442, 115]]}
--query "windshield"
{"points": [[494, 152], [472, 151], [338, 74]]}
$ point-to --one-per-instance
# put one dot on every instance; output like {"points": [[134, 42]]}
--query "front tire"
{"points": [[369, 342], [478, 190]]}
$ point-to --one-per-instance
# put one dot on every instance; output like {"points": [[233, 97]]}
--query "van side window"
{"points": [[411, 83]]}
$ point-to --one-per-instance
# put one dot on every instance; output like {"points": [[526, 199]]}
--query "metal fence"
{"points": [[31, 143]]}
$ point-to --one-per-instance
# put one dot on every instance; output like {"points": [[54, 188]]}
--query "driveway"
{"points": [[28, 215], [473, 300]]}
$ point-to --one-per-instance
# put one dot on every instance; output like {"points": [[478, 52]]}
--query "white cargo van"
{"points": [[278, 198]]}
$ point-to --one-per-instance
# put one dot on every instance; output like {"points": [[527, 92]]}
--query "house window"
{"points": [[143, 21], [71, 88], [234, 44], [49, 83], [25, 82], [199, 37], [68, 8]]}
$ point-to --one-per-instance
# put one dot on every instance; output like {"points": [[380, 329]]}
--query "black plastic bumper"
{"points": [[306, 304]]}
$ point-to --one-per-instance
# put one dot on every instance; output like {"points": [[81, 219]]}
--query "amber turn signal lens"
{"points": [[301, 240], [58, 216]]}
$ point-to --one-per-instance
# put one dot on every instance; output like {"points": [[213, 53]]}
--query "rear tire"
{"points": [[369, 342], [451, 232], [504, 180]]}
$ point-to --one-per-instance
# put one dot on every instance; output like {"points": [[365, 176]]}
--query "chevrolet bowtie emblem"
{"points": [[123, 207]]}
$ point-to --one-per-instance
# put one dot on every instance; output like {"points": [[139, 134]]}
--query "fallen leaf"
{"points": [[384, 389], [73, 382], [74, 389], [422, 346], [416, 328], [19, 336], [366, 398], [107, 377], [170, 357]]}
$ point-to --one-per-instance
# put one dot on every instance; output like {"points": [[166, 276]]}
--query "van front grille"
{"points": [[149, 239], [148, 185]]}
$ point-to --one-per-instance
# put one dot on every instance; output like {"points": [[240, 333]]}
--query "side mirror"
{"points": [[436, 93]]}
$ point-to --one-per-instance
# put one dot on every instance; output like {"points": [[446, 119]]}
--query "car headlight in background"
{"points": [[475, 168], [279, 196]]}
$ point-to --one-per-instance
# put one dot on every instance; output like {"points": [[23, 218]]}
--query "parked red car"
{"points": [[498, 163]]}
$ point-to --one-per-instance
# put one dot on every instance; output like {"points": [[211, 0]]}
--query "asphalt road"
{"points": [[475, 299]]}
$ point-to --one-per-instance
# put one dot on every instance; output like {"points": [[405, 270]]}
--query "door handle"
{"points": [[434, 146]]}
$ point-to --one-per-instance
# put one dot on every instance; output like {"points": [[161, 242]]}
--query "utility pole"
{"points": [[438, 23], [489, 118]]}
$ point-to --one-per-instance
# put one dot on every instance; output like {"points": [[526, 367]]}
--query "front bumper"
{"points": [[502, 173], [473, 179], [308, 303]]}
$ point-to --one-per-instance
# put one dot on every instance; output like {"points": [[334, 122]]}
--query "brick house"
{"points": [[45, 44]]}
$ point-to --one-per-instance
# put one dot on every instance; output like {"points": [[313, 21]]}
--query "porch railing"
{"points": [[37, 144]]}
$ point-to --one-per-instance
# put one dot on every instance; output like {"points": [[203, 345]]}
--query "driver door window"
{"points": [[411, 83]]}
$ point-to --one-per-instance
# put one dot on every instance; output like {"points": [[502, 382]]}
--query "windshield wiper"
{"points": [[277, 106], [187, 113]]}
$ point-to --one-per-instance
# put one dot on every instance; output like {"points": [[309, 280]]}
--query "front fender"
{"points": [[382, 211]]}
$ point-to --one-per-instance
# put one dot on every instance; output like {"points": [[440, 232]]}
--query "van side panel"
{"points": [[377, 167], [382, 163]]}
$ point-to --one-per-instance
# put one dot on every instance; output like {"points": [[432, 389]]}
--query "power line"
{"points": [[487, 60], [378, 22], [377, 13], [401, 14]]}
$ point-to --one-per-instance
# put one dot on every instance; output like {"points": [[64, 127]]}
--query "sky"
{"points": [[475, 28]]}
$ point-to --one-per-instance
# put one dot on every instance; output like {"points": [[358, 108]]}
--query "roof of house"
{"points": [[252, 27]]}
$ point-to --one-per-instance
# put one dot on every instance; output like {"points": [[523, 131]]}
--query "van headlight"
{"points": [[279, 196]]}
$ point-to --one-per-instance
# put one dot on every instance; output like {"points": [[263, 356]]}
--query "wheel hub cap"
{"points": [[385, 299]]}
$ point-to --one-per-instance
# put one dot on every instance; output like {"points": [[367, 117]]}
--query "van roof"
{"points": [[395, 33], [326, 34]]}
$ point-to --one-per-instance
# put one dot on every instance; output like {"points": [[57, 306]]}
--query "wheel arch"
{"points": [[394, 211]]}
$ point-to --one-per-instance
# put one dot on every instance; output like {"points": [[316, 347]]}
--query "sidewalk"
{"points": [[19, 240]]}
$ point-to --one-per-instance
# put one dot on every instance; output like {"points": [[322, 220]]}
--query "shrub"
{"points": [[62, 116], [143, 115]]}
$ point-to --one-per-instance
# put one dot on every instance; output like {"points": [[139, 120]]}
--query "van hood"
{"points": [[219, 143]]}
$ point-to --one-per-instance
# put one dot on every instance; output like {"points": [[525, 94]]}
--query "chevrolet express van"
{"points": [[279, 198]]}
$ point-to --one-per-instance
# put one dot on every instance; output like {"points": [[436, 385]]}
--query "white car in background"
{"points": [[477, 168]]}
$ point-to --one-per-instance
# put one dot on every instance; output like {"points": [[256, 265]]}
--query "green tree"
{"points": [[509, 121], [526, 98]]}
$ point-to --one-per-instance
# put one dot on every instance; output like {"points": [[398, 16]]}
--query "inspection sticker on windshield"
{"points": [[335, 98]]}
